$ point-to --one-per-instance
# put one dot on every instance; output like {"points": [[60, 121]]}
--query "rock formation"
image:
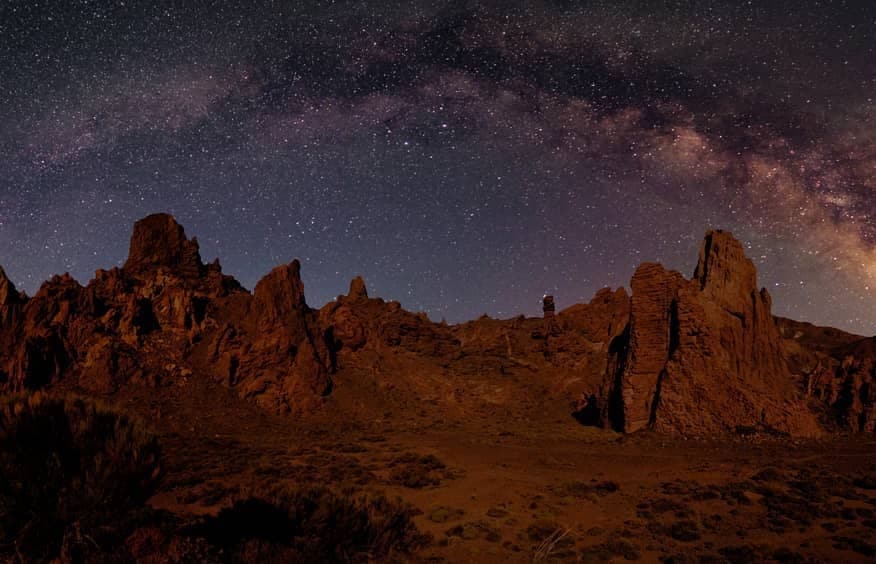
{"points": [[691, 357], [703, 355], [548, 307], [159, 241], [837, 370], [155, 319]]}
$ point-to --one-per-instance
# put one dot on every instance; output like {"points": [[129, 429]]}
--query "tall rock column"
{"points": [[704, 355], [651, 344]]}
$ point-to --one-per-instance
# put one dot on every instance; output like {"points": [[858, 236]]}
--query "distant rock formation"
{"points": [[692, 357], [548, 307], [161, 317], [837, 370], [159, 241]]}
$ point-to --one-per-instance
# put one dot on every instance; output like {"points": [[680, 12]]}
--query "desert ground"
{"points": [[524, 489]]}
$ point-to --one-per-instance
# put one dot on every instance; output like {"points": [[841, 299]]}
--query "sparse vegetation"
{"points": [[546, 548], [591, 489], [313, 525], [685, 531], [444, 514], [74, 472], [413, 471]]}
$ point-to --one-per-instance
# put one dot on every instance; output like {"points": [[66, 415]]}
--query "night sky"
{"points": [[465, 158]]}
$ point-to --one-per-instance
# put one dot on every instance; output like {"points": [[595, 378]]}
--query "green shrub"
{"points": [[71, 472]]}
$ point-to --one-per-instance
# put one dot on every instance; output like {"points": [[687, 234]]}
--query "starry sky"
{"points": [[464, 157]]}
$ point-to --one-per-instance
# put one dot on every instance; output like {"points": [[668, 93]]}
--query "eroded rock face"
{"points": [[276, 353], [693, 357], [704, 355], [10, 300], [837, 370], [356, 321], [852, 389], [159, 241], [8, 294], [358, 292], [653, 339], [155, 320]]}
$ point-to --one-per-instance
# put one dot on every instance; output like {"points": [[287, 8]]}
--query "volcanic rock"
{"points": [[10, 300], [159, 241], [836, 369], [278, 305], [286, 360], [548, 306], [165, 308], [704, 355], [691, 357], [357, 291], [356, 321], [8, 294]]}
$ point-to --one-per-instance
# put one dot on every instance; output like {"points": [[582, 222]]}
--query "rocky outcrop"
{"points": [[159, 241], [837, 371], [163, 316], [276, 354], [356, 321], [10, 299], [692, 357], [703, 355], [358, 292], [653, 339], [9, 296], [850, 392]]}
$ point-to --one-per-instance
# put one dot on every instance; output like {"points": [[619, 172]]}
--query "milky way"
{"points": [[465, 158]]}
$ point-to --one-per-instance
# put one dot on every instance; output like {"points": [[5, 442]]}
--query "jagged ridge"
{"points": [[698, 356]]}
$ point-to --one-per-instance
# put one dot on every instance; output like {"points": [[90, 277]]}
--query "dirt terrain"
{"points": [[494, 489]]}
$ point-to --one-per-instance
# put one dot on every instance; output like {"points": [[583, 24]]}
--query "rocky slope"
{"points": [[836, 370], [691, 357]]}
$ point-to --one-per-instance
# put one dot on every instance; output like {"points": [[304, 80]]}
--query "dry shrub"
{"points": [[413, 471], [72, 472], [313, 525]]}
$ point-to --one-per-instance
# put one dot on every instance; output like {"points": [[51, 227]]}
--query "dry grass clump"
{"points": [[590, 489], [313, 525], [72, 474], [413, 471]]}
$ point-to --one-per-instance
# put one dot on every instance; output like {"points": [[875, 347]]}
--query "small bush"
{"points": [[585, 489], [412, 471], [865, 482], [685, 531], [313, 525], [71, 472], [858, 545]]}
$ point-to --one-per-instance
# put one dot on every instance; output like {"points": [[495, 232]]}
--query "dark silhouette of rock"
{"points": [[548, 307]]}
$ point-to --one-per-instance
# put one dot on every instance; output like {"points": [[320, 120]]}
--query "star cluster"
{"points": [[464, 157]]}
